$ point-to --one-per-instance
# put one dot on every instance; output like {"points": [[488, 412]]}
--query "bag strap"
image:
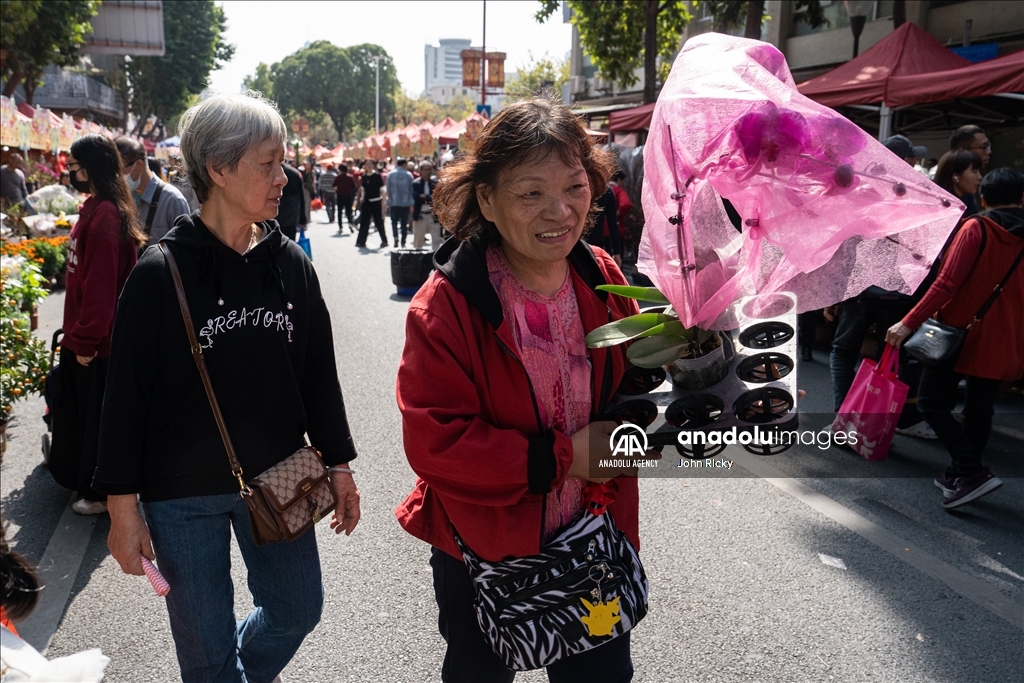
{"points": [[153, 204], [197, 356], [995, 292], [889, 362]]}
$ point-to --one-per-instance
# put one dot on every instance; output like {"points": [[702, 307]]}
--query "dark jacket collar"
{"points": [[465, 266], [1012, 219]]}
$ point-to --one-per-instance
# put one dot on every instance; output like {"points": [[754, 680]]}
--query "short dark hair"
{"points": [[963, 137], [130, 149], [1003, 187], [520, 132], [953, 162]]}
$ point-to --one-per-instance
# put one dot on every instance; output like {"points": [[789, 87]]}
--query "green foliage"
{"points": [[730, 14], [25, 359], [26, 288], [194, 40], [612, 33], [639, 293], [337, 81], [36, 34], [459, 107], [261, 81], [531, 78]]}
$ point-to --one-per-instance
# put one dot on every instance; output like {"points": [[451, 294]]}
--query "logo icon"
{"points": [[628, 440]]}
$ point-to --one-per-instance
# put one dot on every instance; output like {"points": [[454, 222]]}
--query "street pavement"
{"points": [[738, 590]]}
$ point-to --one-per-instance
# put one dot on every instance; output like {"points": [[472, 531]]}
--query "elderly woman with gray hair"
{"points": [[265, 332]]}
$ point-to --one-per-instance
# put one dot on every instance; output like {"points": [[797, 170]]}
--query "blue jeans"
{"points": [[400, 216], [192, 540]]}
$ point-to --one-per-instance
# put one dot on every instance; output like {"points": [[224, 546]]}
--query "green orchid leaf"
{"points": [[653, 352], [639, 293], [672, 327], [623, 330]]}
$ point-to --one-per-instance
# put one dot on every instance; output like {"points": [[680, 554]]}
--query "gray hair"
{"points": [[220, 130]]}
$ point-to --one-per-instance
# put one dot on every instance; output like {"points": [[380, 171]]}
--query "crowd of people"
{"points": [[501, 324]]}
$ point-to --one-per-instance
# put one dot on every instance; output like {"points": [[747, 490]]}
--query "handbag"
{"points": [[285, 500], [935, 343], [585, 588], [872, 407], [303, 242]]}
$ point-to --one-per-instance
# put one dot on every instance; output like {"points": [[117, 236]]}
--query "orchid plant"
{"points": [[659, 338]]}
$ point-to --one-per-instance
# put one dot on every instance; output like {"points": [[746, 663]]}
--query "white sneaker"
{"points": [[922, 430], [89, 507]]}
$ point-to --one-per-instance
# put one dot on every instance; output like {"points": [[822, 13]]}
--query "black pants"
{"points": [[76, 423], [345, 203], [855, 318], [367, 211], [288, 231], [936, 398], [470, 659]]}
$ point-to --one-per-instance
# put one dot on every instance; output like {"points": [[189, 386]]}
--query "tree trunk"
{"points": [[11, 84], [755, 10], [30, 84], [899, 13], [650, 51]]}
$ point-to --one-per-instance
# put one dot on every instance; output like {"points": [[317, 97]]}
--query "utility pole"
{"points": [[483, 62], [376, 111]]}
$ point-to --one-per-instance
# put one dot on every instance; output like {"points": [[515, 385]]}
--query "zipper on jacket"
{"points": [[540, 427]]}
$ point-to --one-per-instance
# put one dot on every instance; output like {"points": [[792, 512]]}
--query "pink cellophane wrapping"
{"points": [[156, 579], [827, 210]]}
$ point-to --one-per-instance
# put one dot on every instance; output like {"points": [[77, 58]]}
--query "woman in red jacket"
{"points": [[102, 250], [985, 250], [499, 394]]}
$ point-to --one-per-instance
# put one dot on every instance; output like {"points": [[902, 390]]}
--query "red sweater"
{"points": [[994, 347], [99, 261], [468, 418]]}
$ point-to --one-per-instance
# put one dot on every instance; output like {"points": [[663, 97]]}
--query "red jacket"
{"points": [[978, 259], [99, 261], [469, 419], [625, 205]]}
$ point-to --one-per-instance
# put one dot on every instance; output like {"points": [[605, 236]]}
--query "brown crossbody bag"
{"points": [[288, 498]]}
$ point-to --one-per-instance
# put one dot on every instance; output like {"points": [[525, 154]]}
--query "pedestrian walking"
{"points": [[159, 203], [370, 200], [327, 192], [400, 199], [986, 251], [605, 233], [293, 214], [345, 189], [13, 189], [423, 219], [973, 139], [102, 250], [500, 325], [265, 333]]}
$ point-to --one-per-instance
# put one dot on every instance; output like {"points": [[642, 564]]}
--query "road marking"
{"points": [[975, 590], [58, 570]]}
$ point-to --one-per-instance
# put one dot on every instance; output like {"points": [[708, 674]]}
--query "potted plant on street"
{"points": [[25, 359], [694, 358]]}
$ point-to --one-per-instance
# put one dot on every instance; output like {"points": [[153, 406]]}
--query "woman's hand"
{"points": [[129, 535], [84, 360], [897, 334], [346, 515], [591, 443]]}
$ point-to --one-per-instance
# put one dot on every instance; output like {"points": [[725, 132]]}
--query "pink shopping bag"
{"points": [[873, 405]]}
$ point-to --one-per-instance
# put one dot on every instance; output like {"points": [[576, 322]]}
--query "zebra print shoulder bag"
{"points": [[585, 588]]}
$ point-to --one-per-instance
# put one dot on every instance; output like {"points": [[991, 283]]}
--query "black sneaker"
{"points": [[968, 489], [946, 484]]}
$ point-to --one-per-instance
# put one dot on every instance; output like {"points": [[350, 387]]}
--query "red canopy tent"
{"points": [[632, 119], [996, 76], [907, 51]]}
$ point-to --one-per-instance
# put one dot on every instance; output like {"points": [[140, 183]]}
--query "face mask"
{"points": [[80, 185], [132, 184]]}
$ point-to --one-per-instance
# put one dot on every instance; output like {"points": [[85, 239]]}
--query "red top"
{"points": [[994, 347], [99, 261], [625, 206], [468, 417]]}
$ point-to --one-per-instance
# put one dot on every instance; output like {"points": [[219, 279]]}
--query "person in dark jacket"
{"points": [[983, 252], [102, 249], [500, 396], [292, 214], [345, 187], [605, 233], [372, 194], [260, 316]]}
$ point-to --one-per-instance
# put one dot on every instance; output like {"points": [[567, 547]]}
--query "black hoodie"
{"points": [[266, 336]]}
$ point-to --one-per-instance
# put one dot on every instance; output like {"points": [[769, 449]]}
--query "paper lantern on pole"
{"points": [[471, 68], [495, 70]]}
